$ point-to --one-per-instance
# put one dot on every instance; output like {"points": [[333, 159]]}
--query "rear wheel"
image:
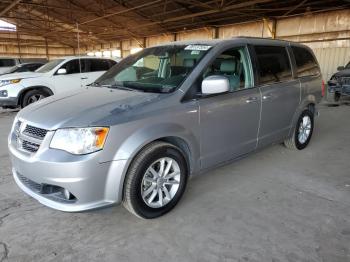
{"points": [[33, 96], [302, 131], [156, 180]]}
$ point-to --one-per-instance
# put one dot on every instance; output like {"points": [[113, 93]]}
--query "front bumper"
{"points": [[92, 183], [335, 86], [8, 101]]}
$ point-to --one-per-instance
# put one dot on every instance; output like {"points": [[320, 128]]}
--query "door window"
{"points": [[273, 64], [99, 65], [72, 66], [7, 62], [305, 62], [233, 64]]}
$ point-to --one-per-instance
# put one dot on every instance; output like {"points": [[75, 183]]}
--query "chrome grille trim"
{"points": [[28, 138], [35, 131]]}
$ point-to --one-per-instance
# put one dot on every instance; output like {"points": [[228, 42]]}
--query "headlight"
{"points": [[80, 141], [7, 82]]}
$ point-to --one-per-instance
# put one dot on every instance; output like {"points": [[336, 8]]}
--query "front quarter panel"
{"points": [[126, 140]]}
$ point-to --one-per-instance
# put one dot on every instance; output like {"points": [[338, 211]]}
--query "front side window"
{"points": [[49, 66], [159, 69], [305, 62], [234, 65], [72, 66], [273, 64]]}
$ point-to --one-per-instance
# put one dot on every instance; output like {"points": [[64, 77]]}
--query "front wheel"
{"points": [[33, 96], [156, 180], [302, 131]]}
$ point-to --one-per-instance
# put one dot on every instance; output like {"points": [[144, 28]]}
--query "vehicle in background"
{"points": [[339, 84], [55, 77], [161, 115], [24, 67], [6, 63]]}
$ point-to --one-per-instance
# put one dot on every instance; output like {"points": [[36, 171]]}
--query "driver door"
{"points": [[72, 80], [229, 122]]}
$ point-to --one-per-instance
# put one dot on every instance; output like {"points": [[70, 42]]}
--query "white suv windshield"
{"points": [[49, 66], [159, 69]]}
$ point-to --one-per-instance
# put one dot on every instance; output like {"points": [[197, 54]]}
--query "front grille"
{"points": [[35, 132], [51, 192], [28, 138], [346, 80], [29, 183], [31, 147]]}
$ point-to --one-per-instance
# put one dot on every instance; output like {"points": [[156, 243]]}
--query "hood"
{"points": [[22, 75], [94, 106], [345, 72]]}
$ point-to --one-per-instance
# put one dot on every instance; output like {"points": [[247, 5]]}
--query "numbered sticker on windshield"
{"points": [[198, 47]]}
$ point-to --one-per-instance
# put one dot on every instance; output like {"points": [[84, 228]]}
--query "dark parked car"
{"points": [[25, 67], [339, 84]]}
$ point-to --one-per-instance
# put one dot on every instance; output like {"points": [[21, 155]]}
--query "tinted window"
{"points": [[305, 61], [99, 65], [72, 66], [273, 64], [7, 62]]}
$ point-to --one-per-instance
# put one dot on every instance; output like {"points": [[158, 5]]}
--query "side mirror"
{"points": [[61, 71], [340, 68], [215, 84]]}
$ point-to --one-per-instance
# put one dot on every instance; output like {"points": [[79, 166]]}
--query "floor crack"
{"points": [[5, 253], [1, 218]]}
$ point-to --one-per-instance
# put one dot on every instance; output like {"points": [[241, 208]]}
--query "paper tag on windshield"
{"points": [[198, 47]]}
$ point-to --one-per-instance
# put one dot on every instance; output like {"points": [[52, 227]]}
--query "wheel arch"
{"points": [[27, 89], [309, 102], [134, 144]]}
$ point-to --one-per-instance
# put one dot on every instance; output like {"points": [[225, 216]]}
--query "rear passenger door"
{"points": [[280, 93]]}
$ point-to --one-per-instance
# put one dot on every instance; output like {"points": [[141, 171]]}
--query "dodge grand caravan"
{"points": [[144, 127]]}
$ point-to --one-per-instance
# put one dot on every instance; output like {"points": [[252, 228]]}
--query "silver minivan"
{"points": [[160, 116]]}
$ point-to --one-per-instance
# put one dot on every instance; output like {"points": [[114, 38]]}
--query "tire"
{"points": [[137, 182], [33, 96], [333, 97], [298, 141]]}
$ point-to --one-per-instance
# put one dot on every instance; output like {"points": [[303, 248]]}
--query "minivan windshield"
{"points": [[159, 69], [49, 66]]}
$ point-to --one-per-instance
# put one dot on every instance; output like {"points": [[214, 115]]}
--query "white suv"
{"points": [[57, 76]]}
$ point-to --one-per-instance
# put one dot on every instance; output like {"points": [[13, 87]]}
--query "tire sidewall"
{"points": [[299, 145], [138, 203], [28, 94]]}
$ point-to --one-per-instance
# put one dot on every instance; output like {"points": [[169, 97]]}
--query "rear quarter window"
{"points": [[305, 62], [273, 64]]}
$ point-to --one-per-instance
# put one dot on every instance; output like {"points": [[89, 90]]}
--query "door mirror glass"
{"points": [[340, 68], [215, 84], [61, 71]]}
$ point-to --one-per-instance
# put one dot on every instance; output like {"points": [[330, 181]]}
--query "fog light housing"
{"points": [[3, 93], [67, 194]]}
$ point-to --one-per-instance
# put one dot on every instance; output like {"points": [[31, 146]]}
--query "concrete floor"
{"points": [[275, 205]]}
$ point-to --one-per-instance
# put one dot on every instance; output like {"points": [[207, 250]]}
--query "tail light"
{"points": [[323, 88]]}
